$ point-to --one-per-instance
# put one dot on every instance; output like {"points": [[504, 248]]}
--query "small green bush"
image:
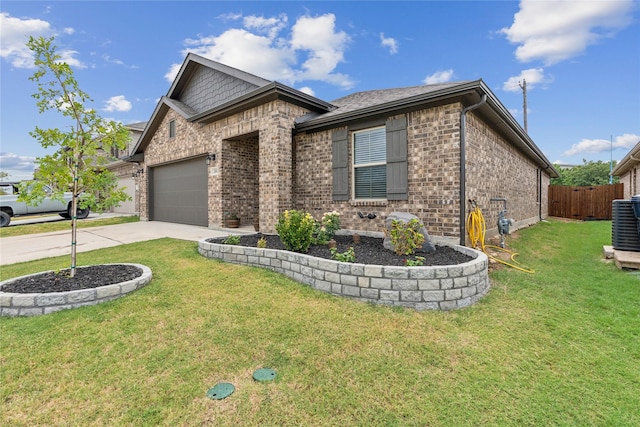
{"points": [[406, 237], [347, 256], [262, 243], [231, 240], [295, 229], [418, 261], [326, 228]]}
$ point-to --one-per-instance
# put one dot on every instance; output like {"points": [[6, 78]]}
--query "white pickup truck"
{"points": [[11, 207]]}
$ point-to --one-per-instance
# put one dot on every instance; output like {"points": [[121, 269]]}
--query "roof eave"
{"points": [[627, 161], [261, 96], [388, 107]]}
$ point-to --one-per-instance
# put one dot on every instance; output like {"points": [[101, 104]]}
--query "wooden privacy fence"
{"points": [[585, 203]]}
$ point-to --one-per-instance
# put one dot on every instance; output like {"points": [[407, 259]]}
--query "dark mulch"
{"points": [[368, 251], [85, 278]]}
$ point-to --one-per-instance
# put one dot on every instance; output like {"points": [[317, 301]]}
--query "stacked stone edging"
{"points": [[36, 304], [422, 288]]}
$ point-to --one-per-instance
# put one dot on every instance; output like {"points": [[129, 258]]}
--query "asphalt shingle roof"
{"points": [[372, 98]]}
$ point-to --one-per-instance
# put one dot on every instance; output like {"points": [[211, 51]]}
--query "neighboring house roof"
{"points": [[138, 126], [629, 161]]}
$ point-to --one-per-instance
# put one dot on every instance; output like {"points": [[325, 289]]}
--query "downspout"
{"points": [[463, 166]]}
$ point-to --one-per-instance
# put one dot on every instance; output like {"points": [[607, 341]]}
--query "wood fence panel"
{"points": [[584, 203]]}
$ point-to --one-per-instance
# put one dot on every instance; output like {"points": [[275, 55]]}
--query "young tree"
{"points": [[77, 166]]}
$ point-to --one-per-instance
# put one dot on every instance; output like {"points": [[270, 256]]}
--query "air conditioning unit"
{"points": [[624, 228]]}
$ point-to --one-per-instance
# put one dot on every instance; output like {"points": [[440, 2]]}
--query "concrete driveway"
{"points": [[36, 246]]}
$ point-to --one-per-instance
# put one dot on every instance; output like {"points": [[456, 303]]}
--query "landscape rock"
{"points": [[405, 217]]}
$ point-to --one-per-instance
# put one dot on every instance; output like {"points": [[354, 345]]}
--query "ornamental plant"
{"points": [[406, 236], [295, 229], [418, 261], [232, 239], [347, 256], [326, 228]]}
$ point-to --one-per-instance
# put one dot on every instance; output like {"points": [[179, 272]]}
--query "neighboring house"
{"points": [[225, 141], [627, 169], [126, 171]]}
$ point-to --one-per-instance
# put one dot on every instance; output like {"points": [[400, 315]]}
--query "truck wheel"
{"points": [[5, 219], [80, 213]]}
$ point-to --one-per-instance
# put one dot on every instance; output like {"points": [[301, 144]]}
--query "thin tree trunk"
{"points": [[74, 212]]}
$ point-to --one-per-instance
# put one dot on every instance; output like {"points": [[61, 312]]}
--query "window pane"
{"points": [[371, 182], [370, 146]]}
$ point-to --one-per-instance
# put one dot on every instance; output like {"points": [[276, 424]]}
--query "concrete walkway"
{"points": [[36, 246]]}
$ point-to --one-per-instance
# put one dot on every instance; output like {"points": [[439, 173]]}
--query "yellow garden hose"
{"points": [[477, 228]]}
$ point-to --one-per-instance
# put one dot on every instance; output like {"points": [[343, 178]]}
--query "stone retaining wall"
{"points": [[35, 304], [421, 288]]}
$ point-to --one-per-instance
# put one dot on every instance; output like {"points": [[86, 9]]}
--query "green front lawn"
{"points": [[558, 347], [48, 227]]}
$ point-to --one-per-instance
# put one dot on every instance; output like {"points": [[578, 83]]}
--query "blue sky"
{"points": [[581, 60]]}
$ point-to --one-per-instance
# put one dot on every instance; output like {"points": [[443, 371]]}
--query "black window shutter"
{"points": [[397, 169], [340, 164]]}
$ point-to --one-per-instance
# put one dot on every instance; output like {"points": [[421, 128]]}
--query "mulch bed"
{"points": [[368, 251], [86, 278]]}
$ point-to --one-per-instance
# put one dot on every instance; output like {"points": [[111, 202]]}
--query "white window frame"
{"points": [[364, 165], [172, 129]]}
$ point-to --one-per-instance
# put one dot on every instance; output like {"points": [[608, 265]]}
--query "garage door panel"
{"points": [[129, 206], [180, 193]]}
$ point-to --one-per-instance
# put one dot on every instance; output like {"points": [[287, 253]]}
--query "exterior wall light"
{"points": [[211, 157]]}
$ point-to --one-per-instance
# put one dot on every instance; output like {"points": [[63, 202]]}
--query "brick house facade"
{"points": [[628, 170], [256, 148]]}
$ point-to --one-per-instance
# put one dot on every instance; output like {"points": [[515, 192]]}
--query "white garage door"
{"points": [[129, 206]]}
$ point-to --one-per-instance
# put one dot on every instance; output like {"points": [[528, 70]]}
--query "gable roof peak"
{"points": [[193, 61]]}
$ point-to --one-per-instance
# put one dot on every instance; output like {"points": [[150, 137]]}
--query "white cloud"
{"points": [[257, 48], [269, 26], [117, 103], [68, 56], [553, 31], [534, 77], [390, 43], [307, 90], [625, 141], [18, 167], [13, 38], [116, 61], [14, 35], [173, 72], [442, 76]]}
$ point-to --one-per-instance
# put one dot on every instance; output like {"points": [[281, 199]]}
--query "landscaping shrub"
{"points": [[326, 228], [295, 229], [406, 236]]}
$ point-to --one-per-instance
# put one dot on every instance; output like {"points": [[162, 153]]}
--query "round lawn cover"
{"points": [[220, 391], [264, 374]]}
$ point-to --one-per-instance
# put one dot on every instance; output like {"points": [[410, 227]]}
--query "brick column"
{"points": [[276, 173]]}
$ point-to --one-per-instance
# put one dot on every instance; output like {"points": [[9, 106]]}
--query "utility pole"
{"points": [[611, 161], [523, 86]]}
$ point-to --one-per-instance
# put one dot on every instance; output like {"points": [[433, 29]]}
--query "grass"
{"points": [[558, 347], [47, 227]]}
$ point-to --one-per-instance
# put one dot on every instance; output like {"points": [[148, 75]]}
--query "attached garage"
{"points": [[128, 206], [179, 192]]}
